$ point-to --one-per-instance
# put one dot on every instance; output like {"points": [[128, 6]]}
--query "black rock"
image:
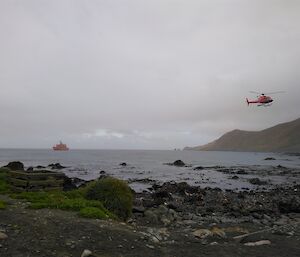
{"points": [[56, 166], [241, 172], [257, 181], [102, 172], [15, 165], [289, 204], [269, 159], [179, 163], [72, 183], [138, 209], [40, 167], [198, 168], [235, 177], [29, 169], [123, 164]]}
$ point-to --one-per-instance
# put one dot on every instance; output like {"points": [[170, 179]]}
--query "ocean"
{"points": [[148, 166]]}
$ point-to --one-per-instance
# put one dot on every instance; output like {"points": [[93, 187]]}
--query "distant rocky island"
{"points": [[283, 137]]}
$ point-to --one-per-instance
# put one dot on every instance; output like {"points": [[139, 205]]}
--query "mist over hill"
{"points": [[283, 137]]}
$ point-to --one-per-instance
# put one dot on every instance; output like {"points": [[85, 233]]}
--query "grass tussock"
{"points": [[115, 195], [2, 205]]}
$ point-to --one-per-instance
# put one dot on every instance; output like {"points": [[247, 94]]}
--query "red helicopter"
{"points": [[262, 99]]}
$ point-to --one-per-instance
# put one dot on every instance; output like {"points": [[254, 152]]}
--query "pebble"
{"points": [[3, 236], [86, 253], [261, 242], [202, 233]]}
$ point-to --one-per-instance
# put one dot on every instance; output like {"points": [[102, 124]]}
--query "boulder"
{"points": [[86, 253], [15, 165], [257, 181], [202, 233], [123, 164], [179, 163], [56, 166], [72, 183], [40, 167], [3, 236]]}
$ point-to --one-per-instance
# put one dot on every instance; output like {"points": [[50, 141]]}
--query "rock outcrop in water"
{"points": [[15, 165]]}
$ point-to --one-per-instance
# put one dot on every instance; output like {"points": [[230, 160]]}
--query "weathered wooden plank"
{"points": [[36, 181], [36, 175], [37, 189], [18, 182], [48, 182], [17, 189]]}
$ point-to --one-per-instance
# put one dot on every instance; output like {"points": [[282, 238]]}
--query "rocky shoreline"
{"points": [[178, 219]]}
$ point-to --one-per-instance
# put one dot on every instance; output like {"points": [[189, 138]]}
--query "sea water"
{"points": [[151, 165]]}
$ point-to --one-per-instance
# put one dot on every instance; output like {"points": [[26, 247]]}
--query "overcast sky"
{"points": [[137, 74]]}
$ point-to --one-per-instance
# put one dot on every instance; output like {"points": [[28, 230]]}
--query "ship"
{"points": [[60, 147]]}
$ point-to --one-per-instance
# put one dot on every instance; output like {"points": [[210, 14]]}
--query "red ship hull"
{"points": [[60, 147]]}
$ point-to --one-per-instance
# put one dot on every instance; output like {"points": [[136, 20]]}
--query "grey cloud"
{"points": [[144, 74]]}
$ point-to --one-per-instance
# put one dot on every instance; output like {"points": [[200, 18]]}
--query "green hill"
{"points": [[284, 137]]}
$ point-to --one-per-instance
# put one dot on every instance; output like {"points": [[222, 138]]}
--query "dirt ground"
{"points": [[61, 234]]}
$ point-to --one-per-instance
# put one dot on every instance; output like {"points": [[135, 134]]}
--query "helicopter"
{"points": [[263, 99]]}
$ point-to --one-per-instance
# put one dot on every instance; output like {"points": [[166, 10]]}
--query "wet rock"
{"points": [[257, 181], [241, 172], [235, 177], [198, 168], [269, 159], [15, 165], [40, 167], [123, 164], [30, 169], [102, 172], [178, 163], [86, 253], [56, 166], [72, 183], [280, 167]]}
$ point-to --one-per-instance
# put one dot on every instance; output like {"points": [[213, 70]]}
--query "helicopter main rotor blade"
{"points": [[278, 92], [254, 92]]}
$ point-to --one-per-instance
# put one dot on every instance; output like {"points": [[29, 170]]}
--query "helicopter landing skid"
{"points": [[265, 105]]}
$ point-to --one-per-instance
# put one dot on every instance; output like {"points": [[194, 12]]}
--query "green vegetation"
{"points": [[4, 187], [72, 201], [105, 198], [115, 195], [2, 205], [93, 213]]}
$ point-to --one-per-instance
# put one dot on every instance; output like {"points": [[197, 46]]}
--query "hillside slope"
{"points": [[284, 137]]}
